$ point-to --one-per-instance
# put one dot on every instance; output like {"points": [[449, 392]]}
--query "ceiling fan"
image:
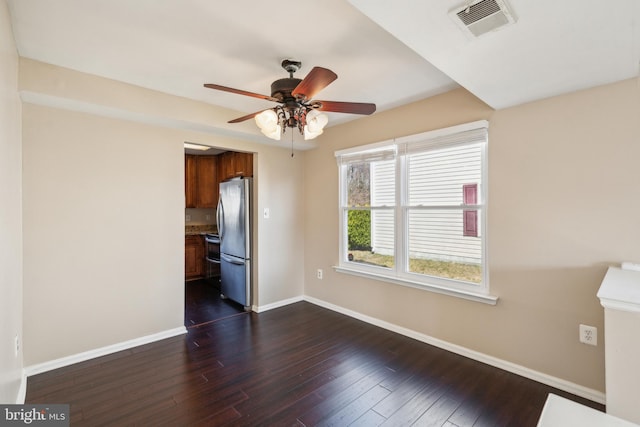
{"points": [[298, 109]]}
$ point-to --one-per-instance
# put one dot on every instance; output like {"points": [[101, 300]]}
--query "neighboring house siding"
{"points": [[436, 179], [438, 235], [382, 193]]}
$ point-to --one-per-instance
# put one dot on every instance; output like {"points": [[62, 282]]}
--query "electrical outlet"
{"points": [[207, 217], [588, 335], [319, 274], [187, 218]]}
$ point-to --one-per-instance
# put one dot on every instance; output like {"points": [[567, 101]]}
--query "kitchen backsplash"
{"points": [[197, 216], [198, 221]]}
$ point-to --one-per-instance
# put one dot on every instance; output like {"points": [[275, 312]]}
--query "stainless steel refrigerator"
{"points": [[234, 227]]}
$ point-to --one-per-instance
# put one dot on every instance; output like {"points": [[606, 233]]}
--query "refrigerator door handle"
{"points": [[232, 260], [219, 218]]}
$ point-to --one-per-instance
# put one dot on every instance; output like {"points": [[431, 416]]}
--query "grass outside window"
{"points": [[447, 269]]}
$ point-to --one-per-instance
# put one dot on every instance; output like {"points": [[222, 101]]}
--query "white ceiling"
{"points": [[555, 47], [175, 46]]}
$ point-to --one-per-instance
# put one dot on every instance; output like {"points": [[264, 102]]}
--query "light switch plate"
{"points": [[266, 213]]}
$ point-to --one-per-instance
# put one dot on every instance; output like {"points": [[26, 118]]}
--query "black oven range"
{"points": [[212, 254]]}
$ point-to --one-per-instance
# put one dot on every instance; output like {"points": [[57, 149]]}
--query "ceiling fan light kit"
{"points": [[268, 123], [297, 109], [273, 122], [315, 124]]}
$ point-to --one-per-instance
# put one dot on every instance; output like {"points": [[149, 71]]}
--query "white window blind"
{"points": [[376, 155], [456, 139]]}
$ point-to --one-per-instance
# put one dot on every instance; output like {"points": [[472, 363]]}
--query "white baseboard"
{"points": [[277, 304], [22, 391], [102, 351], [578, 390]]}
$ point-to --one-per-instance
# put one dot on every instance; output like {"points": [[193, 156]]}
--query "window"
{"points": [[412, 211]]}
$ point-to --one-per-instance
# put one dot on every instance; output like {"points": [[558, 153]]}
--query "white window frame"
{"points": [[397, 275]]}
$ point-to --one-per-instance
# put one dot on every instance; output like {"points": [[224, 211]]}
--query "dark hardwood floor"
{"points": [[300, 365], [203, 303]]}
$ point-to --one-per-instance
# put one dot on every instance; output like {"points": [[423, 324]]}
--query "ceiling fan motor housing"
{"points": [[281, 89]]}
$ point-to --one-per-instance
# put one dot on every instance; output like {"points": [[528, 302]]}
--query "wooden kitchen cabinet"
{"points": [[190, 181], [234, 164], [201, 181], [225, 166], [202, 174], [243, 164], [193, 257], [207, 181]]}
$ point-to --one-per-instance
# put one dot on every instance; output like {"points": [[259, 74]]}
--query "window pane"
{"points": [[370, 235], [371, 183], [438, 245], [437, 177]]}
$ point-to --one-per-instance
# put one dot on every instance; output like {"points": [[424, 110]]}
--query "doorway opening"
{"points": [[204, 171]]}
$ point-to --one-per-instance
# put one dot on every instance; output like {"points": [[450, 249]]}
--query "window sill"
{"points": [[458, 293]]}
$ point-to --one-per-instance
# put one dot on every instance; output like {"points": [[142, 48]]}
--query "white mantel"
{"points": [[620, 290], [558, 412], [620, 296]]}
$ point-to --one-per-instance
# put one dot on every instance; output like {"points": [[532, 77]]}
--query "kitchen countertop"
{"points": [[196, 230]]}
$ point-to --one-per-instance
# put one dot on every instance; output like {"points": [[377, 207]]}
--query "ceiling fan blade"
{"points": [[345, 107], [317, 79], [240, 92], [247, 117]]}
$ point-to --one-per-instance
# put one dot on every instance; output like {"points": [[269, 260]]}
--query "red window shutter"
{"points": [[470, 217], [470, 194]]}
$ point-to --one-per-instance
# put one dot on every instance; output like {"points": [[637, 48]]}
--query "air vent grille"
{"points": [[478, 11], [482, 17]]}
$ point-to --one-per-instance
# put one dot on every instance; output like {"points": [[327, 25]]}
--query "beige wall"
{"points": [[102, 232], [562, 206], [104, 215], [10, 215], [281, 254]]}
